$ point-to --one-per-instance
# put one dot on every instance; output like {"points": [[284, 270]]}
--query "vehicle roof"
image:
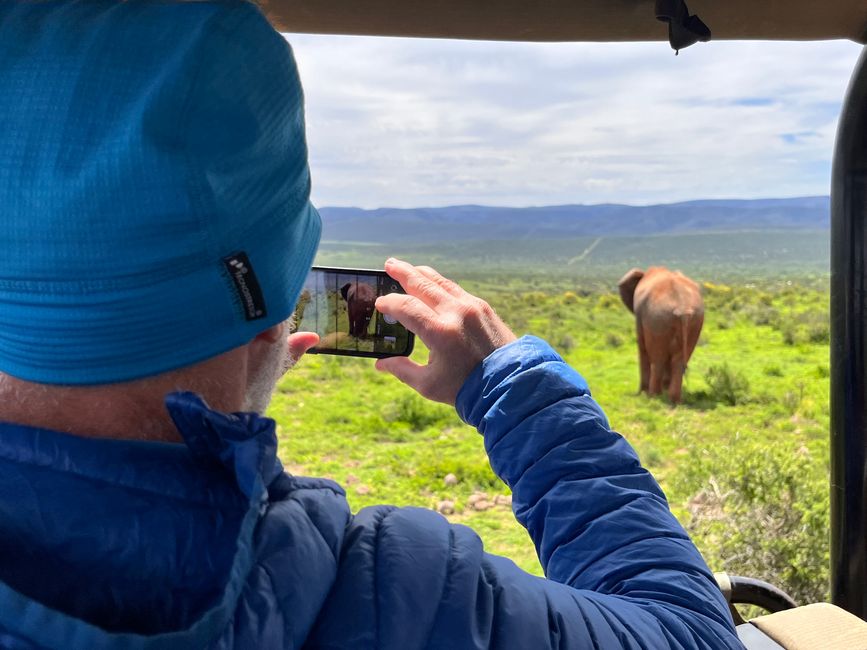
{"points": [[569, 20]]}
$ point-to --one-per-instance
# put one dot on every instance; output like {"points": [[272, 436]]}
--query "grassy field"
{"points": [[744, 460], [740, 254]]}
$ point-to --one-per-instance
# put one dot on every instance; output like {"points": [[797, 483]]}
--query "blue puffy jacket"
{"points": [[119, 544]]}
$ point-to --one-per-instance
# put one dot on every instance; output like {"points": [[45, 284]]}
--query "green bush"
{"points": [[727, 385], [472, 473], [773, 370], [612, 340], [535, 298], [565, 344], [790, 336], [791, 400], [811, 326], [819, 333], [609, 301], [418, 413], [763, 314], [762, 511]]}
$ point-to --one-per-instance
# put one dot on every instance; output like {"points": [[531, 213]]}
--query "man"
{"points": [[156, 231]]}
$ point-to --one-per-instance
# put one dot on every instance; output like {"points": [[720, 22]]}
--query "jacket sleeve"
{"points": [[621, 572], [600, 522]]}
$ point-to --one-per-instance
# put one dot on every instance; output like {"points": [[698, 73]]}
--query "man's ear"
{"points": [[271, 335]]}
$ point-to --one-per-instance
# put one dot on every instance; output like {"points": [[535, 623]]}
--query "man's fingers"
{"points": [[411, 312], [415, 283], [447, 285], [459, 329], [406, 370]]}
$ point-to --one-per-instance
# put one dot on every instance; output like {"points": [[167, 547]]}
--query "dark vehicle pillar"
{"points": [[849, 351]]}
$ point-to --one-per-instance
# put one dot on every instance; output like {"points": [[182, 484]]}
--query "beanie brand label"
{"points": [[247, 286]]}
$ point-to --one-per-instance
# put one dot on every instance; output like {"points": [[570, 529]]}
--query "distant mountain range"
{"points": [[476, 222]]}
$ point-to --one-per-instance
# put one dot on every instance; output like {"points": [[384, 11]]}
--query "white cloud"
{"points": [[403, 122]]}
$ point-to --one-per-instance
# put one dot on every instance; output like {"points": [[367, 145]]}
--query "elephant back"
{"points": [[664, 295]]}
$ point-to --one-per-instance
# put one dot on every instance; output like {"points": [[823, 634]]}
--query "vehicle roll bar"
{"points": [[849, 351]]}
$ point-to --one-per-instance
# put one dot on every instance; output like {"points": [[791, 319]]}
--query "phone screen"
{"points": [[338, 304]]}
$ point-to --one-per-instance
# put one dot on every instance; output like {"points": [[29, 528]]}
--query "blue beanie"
{"points": [[154, 187]]}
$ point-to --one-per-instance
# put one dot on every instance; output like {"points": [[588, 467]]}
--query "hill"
{"points": [[475, 222]]}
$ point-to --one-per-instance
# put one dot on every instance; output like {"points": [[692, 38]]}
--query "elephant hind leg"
{"points": [[656, 348], [682, 346], [657, 371], [677, 364], [666, 376], [675, 387], [643, 362]]}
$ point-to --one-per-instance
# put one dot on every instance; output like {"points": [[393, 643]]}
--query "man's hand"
{"points": [[459, 329]]}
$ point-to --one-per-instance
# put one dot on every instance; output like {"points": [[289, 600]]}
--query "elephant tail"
{"points": [[685, 317]]}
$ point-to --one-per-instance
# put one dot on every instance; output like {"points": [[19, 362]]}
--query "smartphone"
{"points": [[338, 303]]}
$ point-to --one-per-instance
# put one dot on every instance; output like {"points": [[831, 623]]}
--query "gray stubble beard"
{"points": [[264, 379]]}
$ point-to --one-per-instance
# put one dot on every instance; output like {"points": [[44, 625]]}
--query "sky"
{"points": [[417, 123]]}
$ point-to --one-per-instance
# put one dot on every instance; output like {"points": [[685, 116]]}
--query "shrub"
{"points": [[608, 301], [727, 385], [764, 315], [518, 322], [819, 333], [565, 344], [725, 319], [473, 473], [791, 401], [807, 327], [417, 412], [570, 298], [535, 298], [613, 340], [773, 371], [762, 511], [716, 288]]}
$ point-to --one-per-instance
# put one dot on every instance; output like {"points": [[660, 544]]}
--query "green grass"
{"points": [[756, 385], [742, 254]]}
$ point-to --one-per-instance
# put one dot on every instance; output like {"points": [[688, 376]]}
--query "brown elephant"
{"points": [[360, 299], [669, 313]]}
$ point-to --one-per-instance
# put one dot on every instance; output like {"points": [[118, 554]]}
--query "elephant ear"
{"points": [[344, 290], [627, 286]]}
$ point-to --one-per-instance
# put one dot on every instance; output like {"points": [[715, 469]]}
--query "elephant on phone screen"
{"points": [[669, 313], [360, 299]]}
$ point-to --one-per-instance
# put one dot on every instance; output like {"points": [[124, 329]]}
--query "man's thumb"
{"points": [[408, 371]]}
